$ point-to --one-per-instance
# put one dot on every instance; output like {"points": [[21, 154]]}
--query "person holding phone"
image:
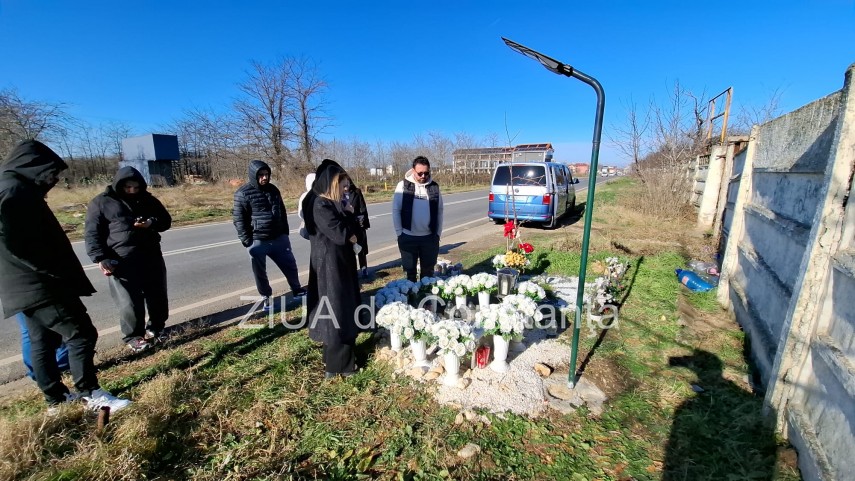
{"points": [[122, 230]]}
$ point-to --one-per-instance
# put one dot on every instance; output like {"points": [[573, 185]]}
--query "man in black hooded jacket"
{"points": [[262, 227], [41, 277], [123, 226]]}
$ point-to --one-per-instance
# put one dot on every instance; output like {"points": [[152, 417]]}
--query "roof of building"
{"points": [[504, 150]]}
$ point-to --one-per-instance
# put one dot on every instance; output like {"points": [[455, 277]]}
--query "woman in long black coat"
{"points": [[333, 284]]}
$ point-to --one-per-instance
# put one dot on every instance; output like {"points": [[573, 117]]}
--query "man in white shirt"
{"points": [[417, 217]]}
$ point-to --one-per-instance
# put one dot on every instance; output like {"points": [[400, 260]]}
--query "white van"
{"points": [[536, 191]]}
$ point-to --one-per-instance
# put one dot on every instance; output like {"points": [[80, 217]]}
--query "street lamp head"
{"points": [[549, 63]]}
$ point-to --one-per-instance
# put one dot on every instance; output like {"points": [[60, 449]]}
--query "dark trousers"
{"points": [[418, 249], [278, 250], [338, 356], [48, 326], [137, 284]]}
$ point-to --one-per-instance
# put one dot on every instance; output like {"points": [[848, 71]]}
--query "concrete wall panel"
{"points": [[781, 245], [833, 421], [800, 141], [794, 196], [842, 315], [764, 292]]}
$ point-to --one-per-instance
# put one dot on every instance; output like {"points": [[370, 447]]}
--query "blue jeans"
{"points": [[61, 351], [279, 250]]}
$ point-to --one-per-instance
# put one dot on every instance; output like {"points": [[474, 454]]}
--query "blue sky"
{"points": [[396, 69]]}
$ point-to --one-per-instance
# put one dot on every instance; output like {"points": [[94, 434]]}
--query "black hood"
{"points": [[32, 160], [324, 175], [252, 172], [323, 178], [125, 174]]}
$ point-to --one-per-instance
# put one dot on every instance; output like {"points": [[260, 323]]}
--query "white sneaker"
{"points": [[100, 398], [54, 409]]}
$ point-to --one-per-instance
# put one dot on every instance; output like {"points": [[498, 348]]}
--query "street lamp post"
{"points": [[559, 68]]}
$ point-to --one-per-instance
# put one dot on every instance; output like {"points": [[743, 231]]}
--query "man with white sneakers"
{"points": [[41, 277]]}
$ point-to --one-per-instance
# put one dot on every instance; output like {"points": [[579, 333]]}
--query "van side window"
{"points": [[559, 177]]}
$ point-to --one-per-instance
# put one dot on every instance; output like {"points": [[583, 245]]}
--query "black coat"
{"points": [[333, 289], [360, 208], [110, 231], [258, 213], [37, 264]]}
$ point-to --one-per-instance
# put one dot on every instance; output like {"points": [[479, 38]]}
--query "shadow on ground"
{"points": [[719, 433]]}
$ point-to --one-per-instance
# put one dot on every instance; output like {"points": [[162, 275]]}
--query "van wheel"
{"points": [[499, 221]]}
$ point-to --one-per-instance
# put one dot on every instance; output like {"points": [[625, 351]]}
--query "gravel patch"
{"points": [[520, 390]]}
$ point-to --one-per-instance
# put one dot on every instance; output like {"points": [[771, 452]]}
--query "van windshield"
{"points": [[522, 175]]}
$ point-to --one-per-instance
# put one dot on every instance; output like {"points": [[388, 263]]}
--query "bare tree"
{"points": [[283, 109], [309, 116], [676, 131], [115, 132], [629, 137], [661, 141], [264, 107], [750, 115], [212, 144], [26, 119]]}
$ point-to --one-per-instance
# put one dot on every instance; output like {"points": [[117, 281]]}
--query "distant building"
{"points": [[381, 171], [152, 155], [579, 169], [485, 160]]}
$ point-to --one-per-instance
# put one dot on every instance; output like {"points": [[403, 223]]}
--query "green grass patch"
{"points": [[254, 404]]}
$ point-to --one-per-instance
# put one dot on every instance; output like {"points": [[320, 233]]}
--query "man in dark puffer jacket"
{"points": [[262, 226], [41, 277], [123, 226]]}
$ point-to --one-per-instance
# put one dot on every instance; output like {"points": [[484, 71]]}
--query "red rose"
{"points": [[509, 229], [527, 248]]}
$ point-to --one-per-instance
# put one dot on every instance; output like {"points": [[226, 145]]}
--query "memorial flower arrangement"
{"points": [[453, 337], [501, 320], [396, 291], [427, 284], [517, 255], [483, 282], [605, 290], [458, 285], [524, 306], [394, 316], [421, 322], [531, 290]]}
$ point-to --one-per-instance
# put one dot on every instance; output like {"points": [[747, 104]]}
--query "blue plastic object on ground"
{"points": [[693, 281]]}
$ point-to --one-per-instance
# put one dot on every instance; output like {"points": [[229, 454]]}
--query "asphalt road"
{"points": [[209, 270]]}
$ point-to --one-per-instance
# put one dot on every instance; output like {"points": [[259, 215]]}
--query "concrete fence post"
{"points": [[708, 205], [737, 226]]}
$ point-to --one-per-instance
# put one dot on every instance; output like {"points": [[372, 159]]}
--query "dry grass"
{"points": [[626, 222], [229, 404]]}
